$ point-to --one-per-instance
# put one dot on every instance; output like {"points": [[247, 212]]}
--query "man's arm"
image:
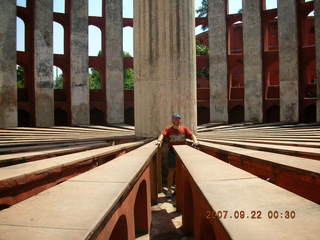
{"points": [[159, 140], [195, 140]]}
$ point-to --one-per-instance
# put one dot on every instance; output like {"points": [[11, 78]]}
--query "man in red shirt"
{"points": [[176, 134]]}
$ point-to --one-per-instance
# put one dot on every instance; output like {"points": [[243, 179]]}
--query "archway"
{"points": [[203, 115], [141, 210], [236, 114], [273, 114], [310, 114], [24, 119], [60, 117], [58, 38], [120, 230], [129, 116], [97, 117]]}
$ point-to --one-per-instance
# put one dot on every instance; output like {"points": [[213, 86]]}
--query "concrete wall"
{"points": [[8, 74], [218, 61], [165, 65], [252, 47], [43, 55], [288, 60], [80, 109], [114, 71]]}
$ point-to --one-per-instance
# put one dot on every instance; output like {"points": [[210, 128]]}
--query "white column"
{"points": [[252, 46], [8, 73], [114, 60], [288, 60], [80, 109], [43, 55], [218, 61], [165, 64]]}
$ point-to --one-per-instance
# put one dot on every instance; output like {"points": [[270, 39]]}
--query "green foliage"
{"points": [[20, 77], [58, 81], [94, 79], [201, 50], [128, 78], [203, 11], [128, 75]]}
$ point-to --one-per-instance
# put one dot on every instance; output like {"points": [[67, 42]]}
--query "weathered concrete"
{"points": [[43, 55], [114, 71], [317, 38], [8, 74], [252, 44], [218, 61], [79, 63], [165, 64], [288, 61]]}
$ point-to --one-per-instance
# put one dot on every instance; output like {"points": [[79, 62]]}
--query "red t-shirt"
{"points": [[176, 136]]}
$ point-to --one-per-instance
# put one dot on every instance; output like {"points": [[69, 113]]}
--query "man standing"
{"points": [[176, 134]]}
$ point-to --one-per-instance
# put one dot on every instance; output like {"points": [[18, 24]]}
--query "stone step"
{"points": [[21, 181], [220, 201], [296, 174], [102, 203]]}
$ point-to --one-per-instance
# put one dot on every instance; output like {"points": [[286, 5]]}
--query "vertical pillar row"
{"points": [[114, 60], [317, 43], [288, 60], [80, 109], [165, 64], [252, 45], [43, 55], [218, 66], [8, 74]]}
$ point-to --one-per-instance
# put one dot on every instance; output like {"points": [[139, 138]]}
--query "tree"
{"points": [[128, 75], [94, 79], [203, 11], [58, 82], [20, 77], [201, 50]]}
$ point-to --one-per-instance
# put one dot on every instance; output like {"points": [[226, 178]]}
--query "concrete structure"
{"points": [[43, 57], [253, 75], [79, 63], [289, 61], [218, 61], [8, 82], [165, 66], [114, 60], [317, 43]]}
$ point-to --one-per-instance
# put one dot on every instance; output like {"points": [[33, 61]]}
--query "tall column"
{"points": [[252, 44], [79, 63], [165, 64], [317, 38], [8, 73], [43, 55], [218, 61], [288, 60], [114, 60]]}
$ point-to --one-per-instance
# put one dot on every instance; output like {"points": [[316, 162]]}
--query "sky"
{"points": [[94, 9]]}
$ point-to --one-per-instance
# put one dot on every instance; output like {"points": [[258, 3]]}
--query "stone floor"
{"points": [[166, 221]]}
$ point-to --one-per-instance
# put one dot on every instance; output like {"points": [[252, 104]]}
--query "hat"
{"points": [[176, 115]]}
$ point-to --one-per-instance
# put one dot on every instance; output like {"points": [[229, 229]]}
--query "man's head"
{"points": [[176, 119]]}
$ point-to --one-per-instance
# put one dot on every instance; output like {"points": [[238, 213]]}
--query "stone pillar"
{"points": [[317, 44], [43, 55], [8, 73], [252, 55], [288, 61], [165, 64], [218, 61], [114, 60], [79, 63]]}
